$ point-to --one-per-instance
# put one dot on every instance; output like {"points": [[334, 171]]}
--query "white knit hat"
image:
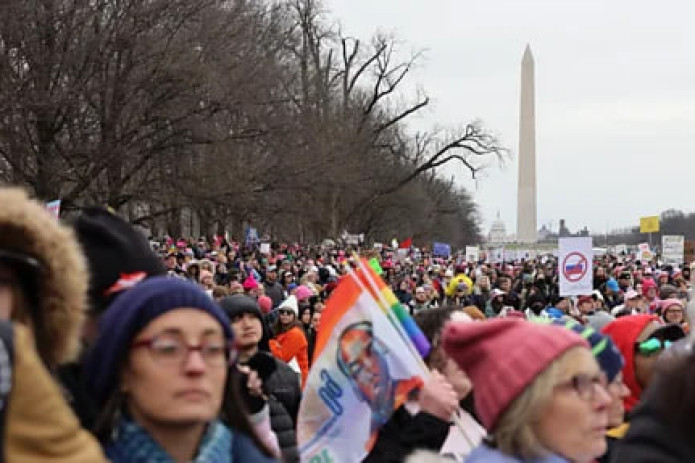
{"points": [[290, 304]]}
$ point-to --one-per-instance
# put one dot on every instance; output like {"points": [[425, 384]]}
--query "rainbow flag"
{"points": [[367, 359]]}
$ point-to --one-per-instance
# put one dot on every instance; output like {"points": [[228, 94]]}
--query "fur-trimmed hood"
{"points": [[27, 227]]}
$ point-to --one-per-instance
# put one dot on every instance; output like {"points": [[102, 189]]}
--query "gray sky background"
{"points": [[615, 96]]}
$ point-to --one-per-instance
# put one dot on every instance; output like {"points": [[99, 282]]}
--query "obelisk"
{"points": [[526, 231]]}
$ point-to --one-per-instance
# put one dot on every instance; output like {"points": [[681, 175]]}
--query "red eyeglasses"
{"points": [[172, 350]]}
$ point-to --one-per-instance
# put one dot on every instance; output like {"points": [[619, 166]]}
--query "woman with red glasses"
{"points": [[163, 372]]}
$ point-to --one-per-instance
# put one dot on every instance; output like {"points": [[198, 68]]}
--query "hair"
{"points": [[514, 432], [279, 328], [219, 292], [431, 322], [473, 312]]}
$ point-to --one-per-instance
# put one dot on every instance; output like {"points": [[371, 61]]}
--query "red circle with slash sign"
{"points": [[574, 266]]}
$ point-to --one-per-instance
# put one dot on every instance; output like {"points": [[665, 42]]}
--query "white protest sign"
{"points": [[574, 266], [644, 253], [265, 248], [495, 255], [673, 249], [509, 255], [472, 253]]}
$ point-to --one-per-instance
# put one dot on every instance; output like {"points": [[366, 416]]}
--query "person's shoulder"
{"points": [[245, 450]]}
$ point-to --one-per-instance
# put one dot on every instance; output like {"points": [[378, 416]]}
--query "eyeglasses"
{"points": [[285, 312], [651, 346], [172, 350], [585, 385]]}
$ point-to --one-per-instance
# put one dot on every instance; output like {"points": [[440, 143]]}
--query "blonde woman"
{"points": [[539, 391]]}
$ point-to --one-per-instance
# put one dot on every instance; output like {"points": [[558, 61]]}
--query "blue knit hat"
{"points": [[612, 285], [607, 354], [129, 314]]}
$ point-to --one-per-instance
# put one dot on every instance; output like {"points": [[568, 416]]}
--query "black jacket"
{"points": [[653, 436], [284, 394], [405, 433]]}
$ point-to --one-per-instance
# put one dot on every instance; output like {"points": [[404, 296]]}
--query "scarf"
{"points": [[134, 445]]}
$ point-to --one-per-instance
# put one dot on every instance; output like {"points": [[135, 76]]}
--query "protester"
{"points": [[118, 258], [661, 426], [38, 425], [640, 339], [611, 362], [672, 312], [280, 382], [160, 375], [43, 277], [596, 319], [466, 433], [289, 343], [273, 289], [551, 407]]}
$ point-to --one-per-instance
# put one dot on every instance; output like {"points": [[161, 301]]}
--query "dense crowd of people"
{"points": [[116, 348]]}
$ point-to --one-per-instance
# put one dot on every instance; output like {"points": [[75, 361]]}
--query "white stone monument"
{"points": [[526, 231]]}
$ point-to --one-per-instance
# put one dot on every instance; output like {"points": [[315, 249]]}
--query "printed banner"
{"points": [[441, 249], [365, 364], [575, 266]]}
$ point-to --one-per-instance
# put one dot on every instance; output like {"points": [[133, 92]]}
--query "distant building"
{"points": [[498, 232]]}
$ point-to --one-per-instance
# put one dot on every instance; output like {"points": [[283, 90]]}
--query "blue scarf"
{"points": [[134, 445]]}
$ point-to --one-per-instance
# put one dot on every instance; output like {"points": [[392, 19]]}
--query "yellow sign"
{"points": [[649, 224]]}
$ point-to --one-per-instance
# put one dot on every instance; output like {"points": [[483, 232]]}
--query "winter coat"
{"points": [[38, 424], [284, 394], [661, 425], [403, 433], [292, 347], [486, 454], [26, 227]]}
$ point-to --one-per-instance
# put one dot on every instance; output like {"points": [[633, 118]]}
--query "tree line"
{"points": [[227, 113]]}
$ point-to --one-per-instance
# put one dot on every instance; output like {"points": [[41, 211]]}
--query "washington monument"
{"points": [[526, 227]]}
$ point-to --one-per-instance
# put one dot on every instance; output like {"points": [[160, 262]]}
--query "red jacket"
{"points": [[290, 344]]}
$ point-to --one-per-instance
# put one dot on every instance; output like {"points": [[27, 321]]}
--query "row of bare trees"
{"points": [[233, 112]]}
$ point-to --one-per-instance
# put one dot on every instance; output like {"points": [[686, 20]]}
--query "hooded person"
{"points": [[640, 339], [43, 277], [280, 382], [118, 258], [37, 424]]}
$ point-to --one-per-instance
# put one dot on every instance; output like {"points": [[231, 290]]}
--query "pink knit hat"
{"points": [[303, 293], [250, 283], [502, 356], [265, 303]]}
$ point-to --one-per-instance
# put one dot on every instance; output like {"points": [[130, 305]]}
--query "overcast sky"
{"points": [[615, 96]]}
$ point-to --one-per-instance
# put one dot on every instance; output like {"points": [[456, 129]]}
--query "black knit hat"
{"points": [[118, 255], [238, 304]]}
